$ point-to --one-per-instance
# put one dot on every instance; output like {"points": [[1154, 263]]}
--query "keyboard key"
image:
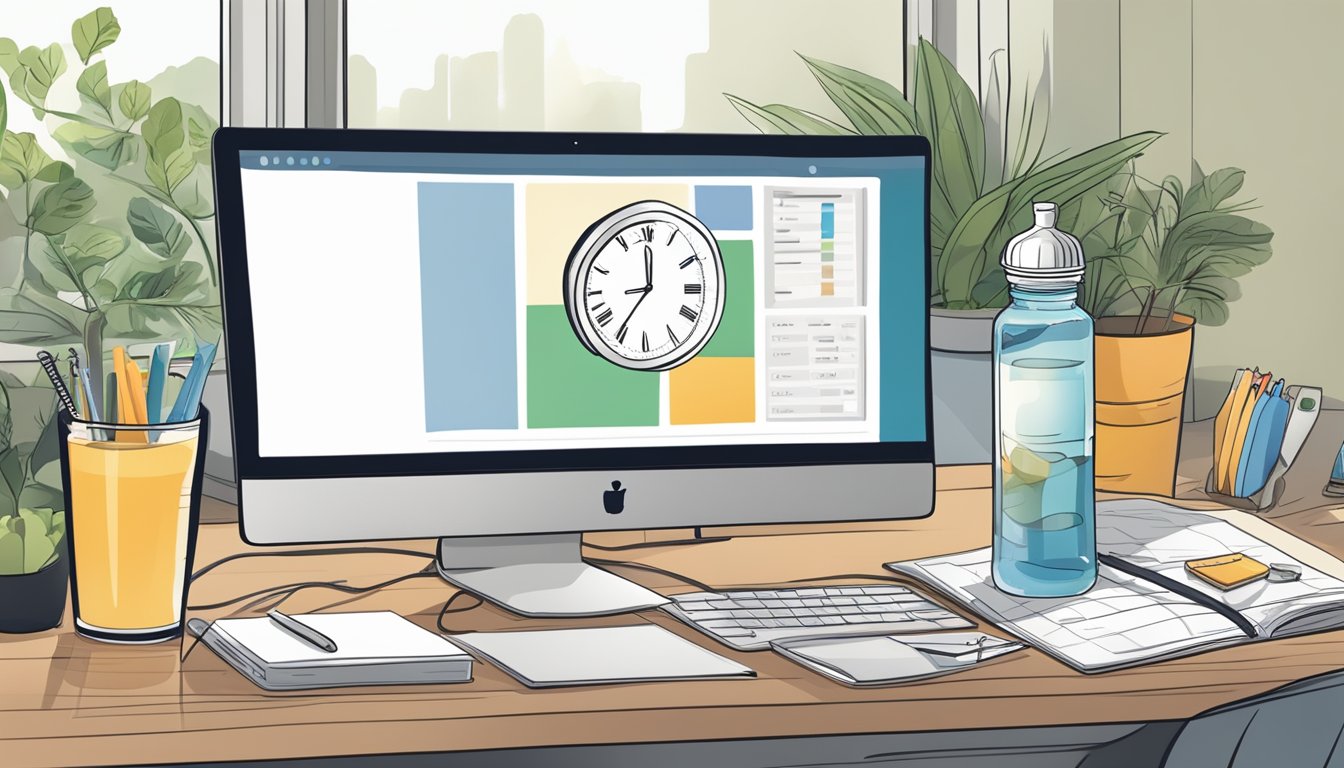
{"points": [[885, 589], [895, 616], [936, 613], [749, 603], [857, 618], [751, 623], [811, 592], [694, 606], [865, 600], [719, 624], [810, 621], [839, 600], [781, 613], [831, 620]]}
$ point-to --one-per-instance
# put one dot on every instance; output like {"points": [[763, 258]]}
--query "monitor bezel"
{"points": [[237, 315]]}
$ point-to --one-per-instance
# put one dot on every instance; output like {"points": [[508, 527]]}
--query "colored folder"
{"points": [[1236, 405], [1264, 443]]}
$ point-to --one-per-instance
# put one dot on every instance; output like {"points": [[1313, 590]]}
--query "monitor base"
{"points": [[539, 576]]}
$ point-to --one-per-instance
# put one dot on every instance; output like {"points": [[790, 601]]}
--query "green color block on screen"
{"points": [[827, 246], [736, 334], [827, 256], [568, 386]]}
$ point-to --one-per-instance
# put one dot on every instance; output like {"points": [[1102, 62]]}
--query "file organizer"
{"points": [[1304, 404]]}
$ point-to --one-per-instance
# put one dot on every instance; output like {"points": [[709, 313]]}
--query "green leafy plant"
{"points": [[987, 163], [1159, 248], [31, 525], [140, 269], [30, 540]]}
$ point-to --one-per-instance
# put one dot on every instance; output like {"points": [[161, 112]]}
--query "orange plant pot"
{"points": [[1140, 390]]}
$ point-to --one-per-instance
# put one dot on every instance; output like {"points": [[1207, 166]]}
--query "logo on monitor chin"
{"points": [[614, 500]]}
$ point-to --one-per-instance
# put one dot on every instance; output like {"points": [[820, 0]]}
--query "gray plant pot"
{"points": [[962, 344]]}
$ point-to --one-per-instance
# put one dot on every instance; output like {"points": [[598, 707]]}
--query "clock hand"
{"points": [[632, 312], [648, 268], [643, 289]]}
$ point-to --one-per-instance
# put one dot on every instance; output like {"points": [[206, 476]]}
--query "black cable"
{"points": [[309, 553], [444, 611], [266, 591]]}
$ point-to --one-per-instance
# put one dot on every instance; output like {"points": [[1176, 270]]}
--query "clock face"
{"points": [[644, 286]]}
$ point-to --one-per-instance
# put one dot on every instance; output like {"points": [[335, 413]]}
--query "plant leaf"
{"points": [[21, 159], [38, 69], [88, 245], [23, 320], [778, 118], [48, 259], [107, 148], [9, 56], [54, 172], [158, 229], [872, 105], [134, 100], [61, 206], [949, 116], [93, 88], [973, 248], [4, 111], [170, 157], [93, 32]]}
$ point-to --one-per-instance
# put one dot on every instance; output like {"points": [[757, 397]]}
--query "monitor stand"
{"points": [[539, 575]]}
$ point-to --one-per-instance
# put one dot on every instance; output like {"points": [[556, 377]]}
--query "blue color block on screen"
{"points": [[468, 304], [724, 207], [827, 221]]}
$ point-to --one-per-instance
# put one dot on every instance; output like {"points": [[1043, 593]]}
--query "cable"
{"points": [[266, 591], [700, 585], [444, 611], [311, 552], [655, 544]]}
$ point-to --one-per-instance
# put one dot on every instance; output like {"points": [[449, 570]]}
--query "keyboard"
{"points": [[750, 619]]}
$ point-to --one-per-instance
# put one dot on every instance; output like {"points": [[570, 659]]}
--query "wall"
{"points": [[1246, 83]]}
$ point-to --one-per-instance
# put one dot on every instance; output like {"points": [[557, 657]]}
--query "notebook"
{"points": [[373, 648], [595, 655], [1125, 620]]}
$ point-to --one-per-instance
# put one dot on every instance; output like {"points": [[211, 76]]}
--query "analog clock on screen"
{"points": [[644, 286]]}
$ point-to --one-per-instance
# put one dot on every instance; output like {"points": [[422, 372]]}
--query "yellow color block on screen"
{"points": [[558, 214], [713, 390], [828, 289]]}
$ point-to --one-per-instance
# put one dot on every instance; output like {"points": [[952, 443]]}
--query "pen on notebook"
{"points": [[1182, 589], [302, 631], [49, 365]]}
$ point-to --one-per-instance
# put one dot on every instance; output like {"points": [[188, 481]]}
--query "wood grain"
{"points": [[67, 701]]}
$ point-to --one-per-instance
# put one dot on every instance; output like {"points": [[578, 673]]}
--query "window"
{"points": [[603, 65]]}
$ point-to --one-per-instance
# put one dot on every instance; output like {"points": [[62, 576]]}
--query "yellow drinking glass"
{"points": [[133, 500]]}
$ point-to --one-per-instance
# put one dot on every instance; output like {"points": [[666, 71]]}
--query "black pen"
{"points": [[302, 631]]}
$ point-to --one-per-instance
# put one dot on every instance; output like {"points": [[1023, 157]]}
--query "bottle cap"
{"points": [[1043, 254]]}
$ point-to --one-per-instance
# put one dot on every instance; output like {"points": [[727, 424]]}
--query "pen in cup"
{"points": [[49, 365]]}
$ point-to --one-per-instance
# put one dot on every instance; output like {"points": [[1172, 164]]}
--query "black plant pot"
{"points": [[33, 602]]}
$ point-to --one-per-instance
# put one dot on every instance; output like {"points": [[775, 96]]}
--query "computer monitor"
{"points": [[507, 339]]}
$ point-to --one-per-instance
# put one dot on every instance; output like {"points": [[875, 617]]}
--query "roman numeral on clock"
{"points": [[621, 239], [688, 313], [646, 341], [672, 236], [620, 335], [605, 317], [694, 288], [688, 262], [672, 335], [647, 231]]}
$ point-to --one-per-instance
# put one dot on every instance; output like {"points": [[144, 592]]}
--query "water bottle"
{"points": [[1044, 507]]}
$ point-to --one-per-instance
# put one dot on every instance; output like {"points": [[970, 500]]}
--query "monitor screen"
{"points": [[477, 303]]}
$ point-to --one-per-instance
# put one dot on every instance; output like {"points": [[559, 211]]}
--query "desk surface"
{"points": [[65, 700]]}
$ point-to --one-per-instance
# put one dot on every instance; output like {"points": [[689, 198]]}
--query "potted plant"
{"points": [[987, 169], [1161, 258], [33, 563]]}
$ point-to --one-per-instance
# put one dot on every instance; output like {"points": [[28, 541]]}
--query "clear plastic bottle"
{"points": [[1044, 504]]}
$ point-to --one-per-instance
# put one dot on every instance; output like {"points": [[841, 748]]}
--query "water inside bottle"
{"points": [[1045, 531]]}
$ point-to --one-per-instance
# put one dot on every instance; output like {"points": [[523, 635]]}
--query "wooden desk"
{"points": [[69, 701]]}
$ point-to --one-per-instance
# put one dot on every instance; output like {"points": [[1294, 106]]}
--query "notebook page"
{"points": [[1161, 538], [1120, 621], [360, 637]]}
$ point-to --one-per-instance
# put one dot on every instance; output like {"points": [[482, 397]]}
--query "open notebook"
{"points": [[1124, 620]]}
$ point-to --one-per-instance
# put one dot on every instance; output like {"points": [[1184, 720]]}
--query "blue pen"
{"points": [[158, 377], [189, 398]]}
